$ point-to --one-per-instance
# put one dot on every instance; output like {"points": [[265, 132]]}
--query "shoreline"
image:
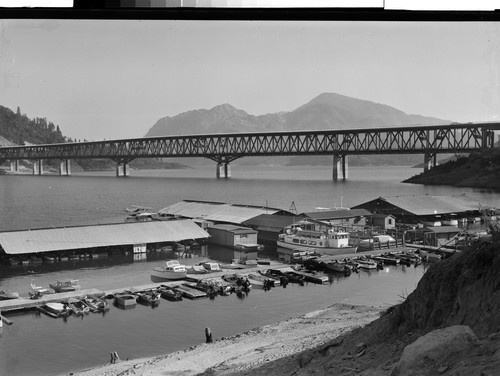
{"points": [[250, 349]]}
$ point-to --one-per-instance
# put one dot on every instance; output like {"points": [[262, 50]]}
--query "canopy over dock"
{"points": [[95, 236]]}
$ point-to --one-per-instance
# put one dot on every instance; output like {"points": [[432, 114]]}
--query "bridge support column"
{"points": [[429, 161], [122, 169], [14, 166], [65, 168], [340, 167], [223, 170], [38, 167]]}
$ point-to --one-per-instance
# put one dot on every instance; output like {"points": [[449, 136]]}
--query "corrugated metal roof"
{"points": [[233, 229], [442, 229], [274, 221], [430, 205], [216, 211], [337, 214], [59, 239]]}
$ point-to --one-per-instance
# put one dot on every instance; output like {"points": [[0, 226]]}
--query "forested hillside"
{"points": [[17, 129], [21, 130]]}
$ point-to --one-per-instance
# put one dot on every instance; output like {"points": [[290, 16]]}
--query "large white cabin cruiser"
{"points": [[323, 239]]}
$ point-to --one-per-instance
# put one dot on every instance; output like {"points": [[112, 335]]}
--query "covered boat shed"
{"points": [[340, 217], [27, 242], [270, 226], [418, 207], [218, 212]]}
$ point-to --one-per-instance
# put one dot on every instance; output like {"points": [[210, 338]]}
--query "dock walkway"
{"points": [[27, 303]]}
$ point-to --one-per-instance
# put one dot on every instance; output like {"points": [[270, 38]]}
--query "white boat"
{"points": [[212, 267], [327, 241], [65, 285], [172, 270], [366, 264]]}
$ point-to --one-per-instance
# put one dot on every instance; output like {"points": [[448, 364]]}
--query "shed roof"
{"points": [[67, 238], [442, 229], [233, 229], [271, 222], [217, 211], [429, 205], [337, 214]]}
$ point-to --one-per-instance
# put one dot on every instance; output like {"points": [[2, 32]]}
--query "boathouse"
{"points": [[420, 209], [270, 226], [436, 236], [243, 240], [347, 218], [95, 238], [383, 221], [218, 212]]}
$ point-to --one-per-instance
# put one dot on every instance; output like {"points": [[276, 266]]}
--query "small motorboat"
{"points": [[336, 267], [196, 269], [237, 280], [6, 295], [78, 307], [172, 271], [148, 297], [366, 264], [211, 267], [170, 294], [65, 285], [125, 301], [96, 304], [55, 310]]}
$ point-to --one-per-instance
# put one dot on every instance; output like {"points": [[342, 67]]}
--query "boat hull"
{"points": [[161, 274], [320, 250]]}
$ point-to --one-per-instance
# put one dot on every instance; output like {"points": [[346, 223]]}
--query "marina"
{"points": [[120, 270]]}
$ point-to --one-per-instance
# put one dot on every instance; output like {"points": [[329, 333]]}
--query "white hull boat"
{"points": [[172, 271]]}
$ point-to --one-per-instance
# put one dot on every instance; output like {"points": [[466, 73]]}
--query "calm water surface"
{"points": [[39, 345]]}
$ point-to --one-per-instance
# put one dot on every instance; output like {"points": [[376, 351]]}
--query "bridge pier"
{"points": [[223, 170], [65, 167], [122, 169], [429, 161], [14, 166], [340, 167], [38, 167]]}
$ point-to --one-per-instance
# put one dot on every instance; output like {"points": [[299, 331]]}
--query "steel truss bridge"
{"points": [[225, 148]]}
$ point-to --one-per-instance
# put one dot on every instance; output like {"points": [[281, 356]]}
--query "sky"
{"points": [[113, 79]]}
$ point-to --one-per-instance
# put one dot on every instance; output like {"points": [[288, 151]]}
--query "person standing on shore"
{"points": [[208, 335]]}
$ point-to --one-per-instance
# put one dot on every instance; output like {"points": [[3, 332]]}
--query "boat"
{"points": [[428, 255], [326, 242], [387, 259], [96, 304], [249, 247], [125, 301], [196, 269], [273, 282], [57, 309], [7, 295], [170, 294], [38, 291], [273, 275], [211, 267], [65, 285], [148, 297], [290, 276], [172, 271], [237, 280], [78, 307], [337, 267], [366, 264]]}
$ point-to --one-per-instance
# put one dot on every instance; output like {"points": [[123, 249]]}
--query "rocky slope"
{"points": [[479, 169]]}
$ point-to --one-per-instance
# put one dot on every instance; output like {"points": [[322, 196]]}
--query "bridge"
{"points": [[226, 148]]}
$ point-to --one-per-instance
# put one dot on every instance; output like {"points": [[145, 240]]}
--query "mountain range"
{"points": [[328, 111]]}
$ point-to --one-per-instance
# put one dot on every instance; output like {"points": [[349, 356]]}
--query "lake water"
{"points": [[39, 345]]}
